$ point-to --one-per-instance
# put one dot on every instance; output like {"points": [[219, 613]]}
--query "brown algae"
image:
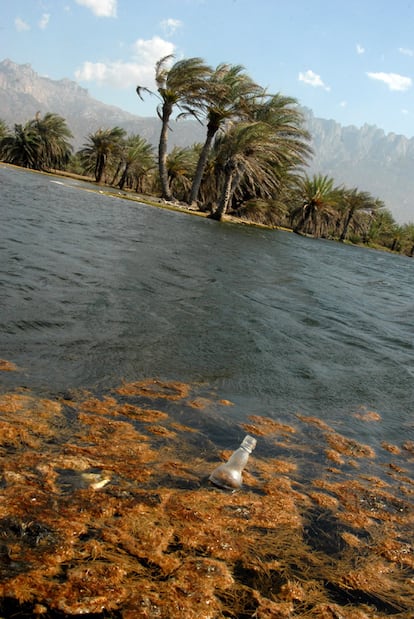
{"points": [[105, 510]]}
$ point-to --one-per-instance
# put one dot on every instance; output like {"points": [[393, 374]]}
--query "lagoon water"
{"points": [[97, 289]]}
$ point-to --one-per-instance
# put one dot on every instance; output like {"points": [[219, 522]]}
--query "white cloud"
{"points": [[21, 25], [138, 70], [151, 50], [343, 104], [360, 49], [312, 79], [392, 80], [44, 20], [405, 51], [100, 8], [170, 25]]}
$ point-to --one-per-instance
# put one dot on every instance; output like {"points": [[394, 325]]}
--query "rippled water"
{"points": [[95, 289]]}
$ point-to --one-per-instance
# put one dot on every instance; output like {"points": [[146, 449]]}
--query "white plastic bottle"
{"points": [[229, 474]]}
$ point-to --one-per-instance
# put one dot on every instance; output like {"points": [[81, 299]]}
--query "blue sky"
{"points": [[350, 60]]}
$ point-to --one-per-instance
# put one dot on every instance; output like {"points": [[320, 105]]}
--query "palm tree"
{"points": [[3, 129], [291, 148], [22, 147], [382, 229], [248, 154], [137, 159], [182, 86], [42, 143], [228, 96], [54, 147], [267, 212], [259, 155], [408, 239], [101, 145], [181, 163], [318, 202], [355, 201], [287, 121]]}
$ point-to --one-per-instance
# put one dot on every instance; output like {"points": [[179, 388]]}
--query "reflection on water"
{"points": [[105, 505]]}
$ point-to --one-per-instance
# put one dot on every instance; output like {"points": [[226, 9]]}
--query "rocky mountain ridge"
{"points": [[365, 157]]}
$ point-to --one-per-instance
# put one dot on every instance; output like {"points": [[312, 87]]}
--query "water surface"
{"points": [[95, 289], [146, 342]]}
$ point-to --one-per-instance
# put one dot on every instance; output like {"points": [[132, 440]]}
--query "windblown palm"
{"points": [[3, 132], [382, 228], [181, 163], [22, 147], [137, 159], [318, 200], [100, 146], [408, 239], [248, 154], [259, 155], [54, 148], [287, 123], [182, 86], [42, 143], [357, 202], [229, 94]]}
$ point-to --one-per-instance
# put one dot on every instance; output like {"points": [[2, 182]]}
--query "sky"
{"points": [[347, 60]]}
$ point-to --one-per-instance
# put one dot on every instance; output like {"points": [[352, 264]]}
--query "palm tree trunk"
{"points": [[123, 177], [225, 195], [201, 164], [395, 243], [162, 153], [99, 168], [304, 218], [346, 225], [116, 173]]}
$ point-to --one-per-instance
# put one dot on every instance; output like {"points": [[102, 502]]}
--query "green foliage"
{"points": [[101, 149], [358, 208], [40, 144], [181, 85], [252, 162], [229, 93], [181, 164], [315, 205], [3, 129], [319, 208], [22, 147], [135, 164]]}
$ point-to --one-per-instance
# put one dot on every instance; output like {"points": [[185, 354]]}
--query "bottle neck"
{"points": [[239, 457], [246, 449]]}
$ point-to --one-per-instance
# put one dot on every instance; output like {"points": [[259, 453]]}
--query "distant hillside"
{"points": [[367, 158], [23, 93]]}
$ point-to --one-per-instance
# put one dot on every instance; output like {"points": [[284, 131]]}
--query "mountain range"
{"points": [[364, 157]]}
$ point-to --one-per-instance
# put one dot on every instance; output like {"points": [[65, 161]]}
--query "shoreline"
{"points": [[178, 207], [149, 200]]}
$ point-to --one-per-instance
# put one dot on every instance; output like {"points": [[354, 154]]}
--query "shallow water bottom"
{"points": [[106, 511]]}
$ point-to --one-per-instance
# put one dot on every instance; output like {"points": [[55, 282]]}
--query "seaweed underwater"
{"points": [[106, 511]]}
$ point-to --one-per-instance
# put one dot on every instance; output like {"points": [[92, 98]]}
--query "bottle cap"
{"points": [[249, 443]]}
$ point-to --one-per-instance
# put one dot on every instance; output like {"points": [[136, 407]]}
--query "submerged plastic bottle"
{"points": [[229, 474]]}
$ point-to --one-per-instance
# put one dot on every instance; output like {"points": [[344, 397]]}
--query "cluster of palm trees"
{"points": [[254, 141], [41, 143], [252, 162]]}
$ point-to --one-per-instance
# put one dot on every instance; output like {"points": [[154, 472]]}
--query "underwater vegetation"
{"points": [[106, 511]]}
